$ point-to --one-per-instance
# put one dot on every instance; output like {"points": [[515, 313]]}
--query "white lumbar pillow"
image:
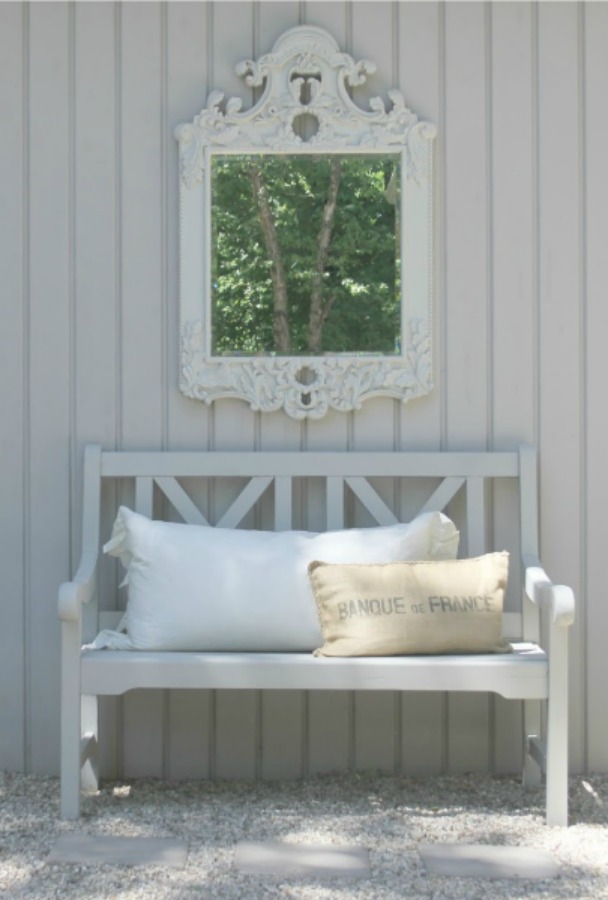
{"points": [[194, 587]]}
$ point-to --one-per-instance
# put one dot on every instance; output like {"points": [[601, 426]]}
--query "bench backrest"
{"points": [[492, 496]]}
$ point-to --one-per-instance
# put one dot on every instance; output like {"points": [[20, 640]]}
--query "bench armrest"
{"points": [[72, 594], [558, 598]]}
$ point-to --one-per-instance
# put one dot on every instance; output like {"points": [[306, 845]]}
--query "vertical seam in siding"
{"points": [[441, 256], [395, 44], [351, 726], [27, 587], [440, 230], [118, 439], [255, 29], [164, 290], [348, 27], [536, 222], [72, 322], [584, 334], [210, 80], [488, 75], [258, 736], [397, 406], [211, 495], [118, 712], [164, 231], [490, 323], [305, 735]]}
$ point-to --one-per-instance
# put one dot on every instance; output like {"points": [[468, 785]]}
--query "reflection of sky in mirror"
{"points": [[305, 254]]}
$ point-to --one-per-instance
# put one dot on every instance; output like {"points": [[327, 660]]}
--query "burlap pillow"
{"points": [[446, 606]]}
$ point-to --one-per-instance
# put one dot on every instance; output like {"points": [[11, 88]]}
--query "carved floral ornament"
{"points": [[305, 76]]}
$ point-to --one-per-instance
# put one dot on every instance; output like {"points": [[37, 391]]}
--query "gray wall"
{"points": [[89, 96]]}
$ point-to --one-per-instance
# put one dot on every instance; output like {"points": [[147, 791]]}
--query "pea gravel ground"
{"points": [[389, 815]]}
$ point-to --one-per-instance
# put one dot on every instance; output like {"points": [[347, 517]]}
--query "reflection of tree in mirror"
{"points": [[305, 254]]}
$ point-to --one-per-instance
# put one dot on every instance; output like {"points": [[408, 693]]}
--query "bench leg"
{"points": [[533, 768], [557, 729], [70, 761], [70, 721], [89, 758], [532, 725]]}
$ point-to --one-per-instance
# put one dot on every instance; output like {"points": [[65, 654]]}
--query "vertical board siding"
{"points": [[50, 361], [143, 368], [91, 94], [13, 385], [190, 733], [594, 614], [512, 290], [467, 353], [559, 197], [421, 717]]}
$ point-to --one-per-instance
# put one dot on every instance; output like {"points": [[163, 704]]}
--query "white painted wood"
{"points": [[142, 412], [467, 350], [594, 616], [283, 745], [374, 732], [243, 504], [513, 288], [561, 353], [442, 495], [373, 503], [14, 634], [512, 235], [236, 727], [110, 184], [180, 500], [283, 519], [142, 745], [520, 674], [49, 361], [466, 173], [418, 36], [236, 718], [144, 496], [233, 463], [141, 262], [190, 734], [341, 382], [330, 722], [335, 503]]}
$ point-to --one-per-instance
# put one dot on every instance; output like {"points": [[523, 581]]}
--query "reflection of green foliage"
{"points": [[362, 271]]}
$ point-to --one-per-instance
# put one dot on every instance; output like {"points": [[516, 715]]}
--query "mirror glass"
{"points": [[305, 254]]}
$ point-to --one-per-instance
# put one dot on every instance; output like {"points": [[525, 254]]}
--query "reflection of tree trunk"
{"points": [[319, 309], [280, 321]]}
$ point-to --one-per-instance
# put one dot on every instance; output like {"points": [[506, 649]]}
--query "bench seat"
{"points": [[521, 674]]}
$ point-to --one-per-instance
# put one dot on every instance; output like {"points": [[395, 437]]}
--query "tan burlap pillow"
{"points": [[442, 606]]}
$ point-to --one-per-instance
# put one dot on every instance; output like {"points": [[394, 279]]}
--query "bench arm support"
{"points": [[558, 598], [72, 594]]}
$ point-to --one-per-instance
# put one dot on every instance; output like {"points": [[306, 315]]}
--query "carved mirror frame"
{"points": [[306, 386]]}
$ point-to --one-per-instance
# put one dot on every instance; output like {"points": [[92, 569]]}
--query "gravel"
{"points": [[389, 815]]}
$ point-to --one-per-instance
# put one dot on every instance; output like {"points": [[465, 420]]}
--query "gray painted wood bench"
{"points": [[353, 484]]}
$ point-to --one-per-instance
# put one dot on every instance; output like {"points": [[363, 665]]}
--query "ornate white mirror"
{"points": [[305, 238]]}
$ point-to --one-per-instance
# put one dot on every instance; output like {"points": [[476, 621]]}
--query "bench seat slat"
{"points": [[521, 674]]}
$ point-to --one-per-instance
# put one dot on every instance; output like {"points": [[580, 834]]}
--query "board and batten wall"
{"points": [[89, 97]]}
